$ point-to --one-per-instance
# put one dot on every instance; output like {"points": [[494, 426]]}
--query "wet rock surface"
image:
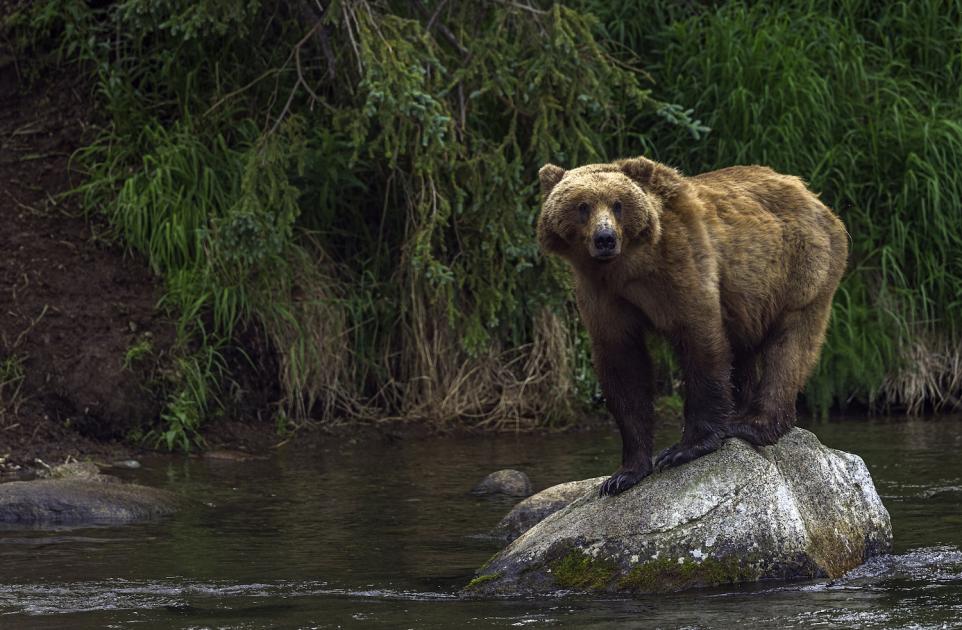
{"points": [[794, 510], [77, 494], [513, 483], [536, 508]]}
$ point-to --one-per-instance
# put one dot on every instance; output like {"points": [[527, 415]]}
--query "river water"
{"points": [[382, 534]]}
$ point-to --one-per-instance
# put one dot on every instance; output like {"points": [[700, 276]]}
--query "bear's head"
{"points": [[594, 213]]}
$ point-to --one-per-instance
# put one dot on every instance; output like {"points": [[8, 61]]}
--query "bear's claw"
{"points": [[683, 453], [621, 481]]}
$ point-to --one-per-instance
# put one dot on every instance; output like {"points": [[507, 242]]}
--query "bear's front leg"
{"points": [[624, 369], [706, 362]]}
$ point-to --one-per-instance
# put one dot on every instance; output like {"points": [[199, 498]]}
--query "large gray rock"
{"points": [[76, 494], [793, 510], [535, 509]]}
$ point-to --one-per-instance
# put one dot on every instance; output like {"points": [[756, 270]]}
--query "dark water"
{"points": [[382, 535]]}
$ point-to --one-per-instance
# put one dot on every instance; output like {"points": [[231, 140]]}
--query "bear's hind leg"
{"points": [[787, 360]]}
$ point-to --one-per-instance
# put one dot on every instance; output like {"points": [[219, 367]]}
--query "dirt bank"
{"points": [[72, 302], [75, 306]]}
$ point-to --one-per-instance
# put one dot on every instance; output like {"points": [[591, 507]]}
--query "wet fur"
{"points": [[736, 267]]}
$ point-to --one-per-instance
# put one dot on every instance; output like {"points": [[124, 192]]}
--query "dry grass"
{"points": [[515, 389], [930, 375]]}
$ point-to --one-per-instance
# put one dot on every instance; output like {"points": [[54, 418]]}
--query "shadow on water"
{"points": [[381, 534]]}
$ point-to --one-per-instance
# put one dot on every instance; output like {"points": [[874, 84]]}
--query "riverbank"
{"points": [[83, 343], [73, 302]]}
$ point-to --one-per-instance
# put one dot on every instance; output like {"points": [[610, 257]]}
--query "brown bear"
{"points": [[736, 268]]}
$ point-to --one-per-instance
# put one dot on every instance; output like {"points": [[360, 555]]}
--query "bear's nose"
{"points": [[605, 240]]}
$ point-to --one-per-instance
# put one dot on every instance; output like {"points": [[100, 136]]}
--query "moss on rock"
{"points": [[578, 570], [674, 575], [481, 579]]}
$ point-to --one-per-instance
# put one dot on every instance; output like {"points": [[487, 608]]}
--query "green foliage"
{"points": [[186, 20], [12, 373], [52, 31], [191, 398], [137, 352], [357, 179], [670, 406], [862, 100], [360, 185]]}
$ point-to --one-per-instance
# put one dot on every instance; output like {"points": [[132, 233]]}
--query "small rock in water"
{"points": [[126, 463], [794, 510], [228, 455], [510, 482], [535, 509], [947, 494], [76, 494]]}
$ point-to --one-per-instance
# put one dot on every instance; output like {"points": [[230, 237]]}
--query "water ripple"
{"points": [[119, 594]]}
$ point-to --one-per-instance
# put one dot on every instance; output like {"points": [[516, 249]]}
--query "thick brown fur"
{"points": [[736, 267]]}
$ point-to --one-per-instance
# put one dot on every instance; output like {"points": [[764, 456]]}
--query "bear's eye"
{"points": [[617, 209], [583, 211]]}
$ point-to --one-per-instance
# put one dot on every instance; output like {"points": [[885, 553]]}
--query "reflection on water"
{"points": [[383, 534]]}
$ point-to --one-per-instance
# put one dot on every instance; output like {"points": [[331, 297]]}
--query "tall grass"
{"points": [[861, 99]]}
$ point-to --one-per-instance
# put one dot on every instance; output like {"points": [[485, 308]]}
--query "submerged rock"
{"points": [[231, 456], [535, 509], [76, 494], [793, 510], [126, 463], [510, 482]]}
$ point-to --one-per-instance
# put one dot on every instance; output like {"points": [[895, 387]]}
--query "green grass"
{"points": [[12, 374], [192, 398], [137, 352]]}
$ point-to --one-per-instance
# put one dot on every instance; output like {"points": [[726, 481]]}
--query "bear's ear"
{"points": [[549, 239], [662, 180], [549, 175]]}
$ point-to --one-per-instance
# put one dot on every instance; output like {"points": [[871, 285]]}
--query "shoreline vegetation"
{"points": [[337, 199]]}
